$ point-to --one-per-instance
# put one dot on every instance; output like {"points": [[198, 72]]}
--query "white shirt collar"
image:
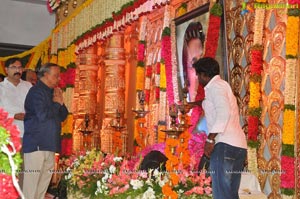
{"points": [[215, 78]]}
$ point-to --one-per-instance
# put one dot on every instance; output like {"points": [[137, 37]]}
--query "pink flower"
{"points": [[208, 190], [114, 190], [123, 189], [287, 176]]}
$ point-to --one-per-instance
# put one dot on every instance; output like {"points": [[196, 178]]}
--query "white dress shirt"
{"points": [[12, 100], [222, 114]]}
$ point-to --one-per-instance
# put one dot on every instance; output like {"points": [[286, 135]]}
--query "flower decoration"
{"points": [[166, 56], [10, 159], [96, 175], [182, 9], [254, 111], [213, 31], [287, 176]]}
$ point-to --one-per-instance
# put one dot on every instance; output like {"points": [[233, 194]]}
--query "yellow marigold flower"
{"points": [[288, 127]]}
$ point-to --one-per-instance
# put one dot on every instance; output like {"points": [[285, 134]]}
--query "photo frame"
{"points": [[191, 31]]}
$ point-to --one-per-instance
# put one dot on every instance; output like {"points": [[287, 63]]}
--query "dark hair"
{"points": [[45, 69], [193, 31], [24, 73], [207, 65], [11, 61]]}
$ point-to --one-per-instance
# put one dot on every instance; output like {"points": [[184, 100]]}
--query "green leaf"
{"points": [[288, 192], [253, 144], [289, 107], [290, 57], [294, 12], [166, 32], [216, 9], [288, 150], [255, 112], [141, 64]]}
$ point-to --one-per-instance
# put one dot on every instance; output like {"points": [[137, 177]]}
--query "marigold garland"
{"points": [[288, 127], [171, 167], [289, 115], [255, 92], [292, 36]]}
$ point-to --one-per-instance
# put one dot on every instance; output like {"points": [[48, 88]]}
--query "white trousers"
{"points": [[37, 173]]}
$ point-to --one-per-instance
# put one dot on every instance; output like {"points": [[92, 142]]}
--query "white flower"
{"points": [[180, 191], [69, 176], [76, 163], [149, 194], [156, 173], [136, 184], [104, 179], [112, 169], [118, 159]]}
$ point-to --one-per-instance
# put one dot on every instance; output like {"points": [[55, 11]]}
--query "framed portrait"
{"points": [[191, 30]]}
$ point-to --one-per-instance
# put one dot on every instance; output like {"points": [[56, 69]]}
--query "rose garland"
{"points": [[254, 109], [166, 56], [213, 31], [289, 117], [256, 67], [210, 46], [10, 158]]}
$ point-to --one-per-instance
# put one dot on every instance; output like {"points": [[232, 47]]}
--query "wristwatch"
{"points": [[210, 141]]}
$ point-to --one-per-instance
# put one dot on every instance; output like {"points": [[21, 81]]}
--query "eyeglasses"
{"points": [[16, 67]]}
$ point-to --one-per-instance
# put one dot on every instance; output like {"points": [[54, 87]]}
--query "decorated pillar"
{"points": [[85, 101], [114, 95]]}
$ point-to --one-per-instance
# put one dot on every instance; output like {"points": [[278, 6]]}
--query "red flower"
{"points": [[212, 36], [62, 83], [141, 52], [166, 55], [287, 172], [148, 71], [256, 62], [7, 188], [253, 122]]}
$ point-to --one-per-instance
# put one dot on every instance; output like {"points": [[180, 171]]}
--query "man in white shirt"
{"points": [[13, 91], [226, 143]]}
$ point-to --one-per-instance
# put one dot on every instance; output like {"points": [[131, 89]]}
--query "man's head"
{"points": [[49, 74], [13, 69], [206, 68], [30, 76]]}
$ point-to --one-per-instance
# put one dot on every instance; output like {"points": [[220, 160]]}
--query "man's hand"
{"points": [[208, 148], [58, 96], [19, 116]]}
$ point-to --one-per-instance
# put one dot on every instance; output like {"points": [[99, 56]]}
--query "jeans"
{"points": [[226, 165]]}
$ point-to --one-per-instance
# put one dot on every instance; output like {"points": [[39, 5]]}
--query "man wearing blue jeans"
{"points": [[226, 143]]}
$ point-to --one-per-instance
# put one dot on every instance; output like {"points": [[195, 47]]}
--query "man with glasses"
{"points": [[13, 91]]}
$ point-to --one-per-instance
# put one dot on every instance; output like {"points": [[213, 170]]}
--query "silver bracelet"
{"points": [[210, 141]]}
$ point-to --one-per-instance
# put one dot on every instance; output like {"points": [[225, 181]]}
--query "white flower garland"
{"points": [[258, 26], [290, 81]]}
